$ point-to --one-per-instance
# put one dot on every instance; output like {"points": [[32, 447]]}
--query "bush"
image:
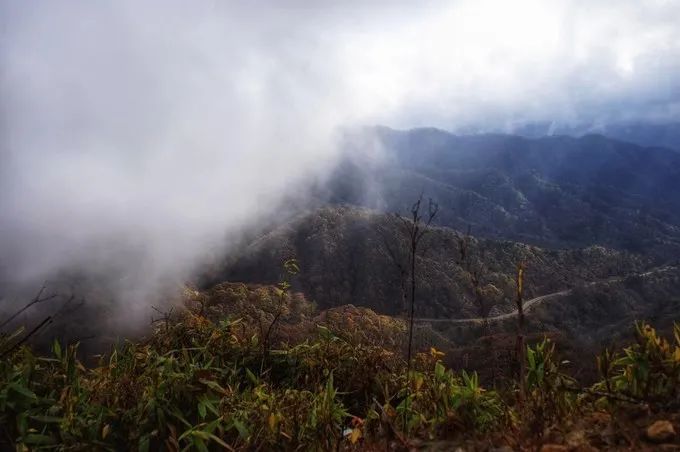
{"points": [[551, 394], [437, 403], [647, 371], [203, 383]]}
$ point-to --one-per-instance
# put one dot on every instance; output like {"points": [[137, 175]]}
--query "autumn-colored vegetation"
{"points": [[204, 380]]}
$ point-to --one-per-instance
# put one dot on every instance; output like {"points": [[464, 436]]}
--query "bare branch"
{"points": [[390, 250], [432, 210], [47, 321], [405, 223], [415, 229], [165, 316], [37, 299], [62, 308]]}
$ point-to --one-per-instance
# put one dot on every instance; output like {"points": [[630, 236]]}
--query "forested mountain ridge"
{"points": [[552, 191], [359, 256], [644, 134], [574, 210]]}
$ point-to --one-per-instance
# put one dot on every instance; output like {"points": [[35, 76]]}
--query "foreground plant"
{"points": [[647, 371], [198, 383]]}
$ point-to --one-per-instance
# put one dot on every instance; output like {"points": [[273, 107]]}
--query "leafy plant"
{"points": [[440, 403], [647, 371], [198, 383], [550, 392]]}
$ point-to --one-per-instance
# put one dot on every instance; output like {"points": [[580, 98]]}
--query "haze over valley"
{"points": [[264, 175]]}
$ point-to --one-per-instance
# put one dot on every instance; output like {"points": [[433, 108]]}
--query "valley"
{"points": [[450, 225]]}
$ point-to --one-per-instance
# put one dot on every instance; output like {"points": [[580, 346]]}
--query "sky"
{"points": [[144, 135]]}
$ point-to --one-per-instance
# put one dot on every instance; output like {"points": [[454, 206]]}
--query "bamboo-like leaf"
{"points": [[24, 391], [36, 439]]}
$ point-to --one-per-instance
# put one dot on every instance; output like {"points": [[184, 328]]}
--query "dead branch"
{"points": [[36, 300], [399, 264], [47, 321], [415, 228]]}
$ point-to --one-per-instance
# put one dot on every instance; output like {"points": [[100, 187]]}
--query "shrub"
{"points": [[550, 393], [647, 371], [441, 403]]}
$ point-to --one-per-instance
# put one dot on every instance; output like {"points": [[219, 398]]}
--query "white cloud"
{"points": [[163, 126]]}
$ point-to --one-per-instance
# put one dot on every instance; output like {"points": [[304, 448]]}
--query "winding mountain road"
{"points": [[529, 304]]}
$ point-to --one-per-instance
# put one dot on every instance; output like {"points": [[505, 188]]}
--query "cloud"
{"points": [[139, 138], [488, 63], [146, 134]]}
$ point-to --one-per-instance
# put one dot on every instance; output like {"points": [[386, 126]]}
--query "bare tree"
{"points": [[415, 227], [521, 348], [400, 264], [464, 249]]}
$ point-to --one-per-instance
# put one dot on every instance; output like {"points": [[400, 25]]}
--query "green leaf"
{"points": [[439, 370], [212, 385], [47, 419], [241, 428], [220, 442], [291, 266], [13, 336], [38, 439], [177, 415], [199, 444], [531, 358], [144, 444], [251, 376], [24, 391], [330, 388], [209, 404], [56, 348]]}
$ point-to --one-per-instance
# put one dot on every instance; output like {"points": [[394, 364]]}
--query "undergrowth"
{"points": [[204, 381]]}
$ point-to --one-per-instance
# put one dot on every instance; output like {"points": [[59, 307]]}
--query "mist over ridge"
{"points": [[139, 139]]}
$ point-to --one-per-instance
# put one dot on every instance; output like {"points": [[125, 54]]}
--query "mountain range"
{"points": [[585, 215], [644, 134], [553, 191]]}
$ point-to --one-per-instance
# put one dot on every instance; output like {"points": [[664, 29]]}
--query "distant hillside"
{"points": [[350, 255], [584, 321], [643, 134], [552, 191]]}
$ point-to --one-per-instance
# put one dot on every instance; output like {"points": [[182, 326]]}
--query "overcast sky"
{"points": [[163, 125]]}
